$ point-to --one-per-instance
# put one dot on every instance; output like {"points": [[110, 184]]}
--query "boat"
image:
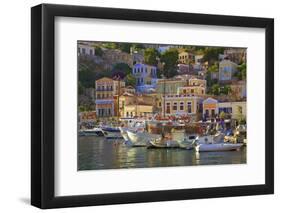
{"points": [[112, 133], [163, 143], [93, 132], [216, 147], [210, 139], [188, 142], [140, 138]]}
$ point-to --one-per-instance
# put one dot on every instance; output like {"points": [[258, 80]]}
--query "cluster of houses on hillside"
{"points": [[183, 94]]}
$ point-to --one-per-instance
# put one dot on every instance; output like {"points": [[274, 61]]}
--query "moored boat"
{"points": [[112, 132], [140, 138], [216, 147], [163, 143], [93, 132]]}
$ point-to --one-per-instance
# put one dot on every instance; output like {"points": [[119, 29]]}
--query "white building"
{"points": [[85, 49]]}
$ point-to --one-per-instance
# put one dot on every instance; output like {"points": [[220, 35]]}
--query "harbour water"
{"points": [[99, 153]]}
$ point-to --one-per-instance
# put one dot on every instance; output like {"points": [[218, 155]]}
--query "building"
{"points": [[239, 90], [170, 86], [114, 56], [192, 90], [180, 105], [86, 49], [129, 89], [185, 58], [227, 69], [210, 108], [185, 69], [197, 82], [107, 90], [146, 77], [237, 55], [131, 105], [239, 110], [198, 60]]}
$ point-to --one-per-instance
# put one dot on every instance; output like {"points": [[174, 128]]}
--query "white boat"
{"points": [[188, 142], [95, 131], [140, 138], [124, 134], [112, 132], [210, 139], [185, 141], [216, 147]]}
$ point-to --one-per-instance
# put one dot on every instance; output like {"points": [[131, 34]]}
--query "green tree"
{"points": [[170, 58], [81, 89], [137, 46], [130, 80], [225, 89], [125, 47], [215, 89], [98, 51], [214, 67], [150, 55], [122, 67], [211, 54], [242, 68]]}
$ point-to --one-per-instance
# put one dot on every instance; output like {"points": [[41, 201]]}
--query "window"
{"points": [[168, 108], [181, 106], [192, 91], [83, 50], [91, 52], [175, 106], [159, 104], [184, 91], [98, 96], [189, 110]]}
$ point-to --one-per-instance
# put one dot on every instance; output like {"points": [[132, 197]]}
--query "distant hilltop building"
{"points": [[237, 55], [146, 77], [185, 58], [114, 56], [227, 69], [86, 49], [106, 91]]}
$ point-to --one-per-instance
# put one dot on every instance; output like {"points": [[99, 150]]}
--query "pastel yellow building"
{"points": [[185, 58], [197, 82], [192, 90], [180, 105], [131, 105], [106, 91]]}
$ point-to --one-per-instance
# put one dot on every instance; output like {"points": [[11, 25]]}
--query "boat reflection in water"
{"points": [[99, 153]]}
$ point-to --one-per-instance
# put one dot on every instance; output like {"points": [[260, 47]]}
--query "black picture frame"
{"points": [[43, 105]]}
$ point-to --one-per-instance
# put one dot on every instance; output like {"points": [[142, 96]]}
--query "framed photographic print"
{"points": [[140, 106]]}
